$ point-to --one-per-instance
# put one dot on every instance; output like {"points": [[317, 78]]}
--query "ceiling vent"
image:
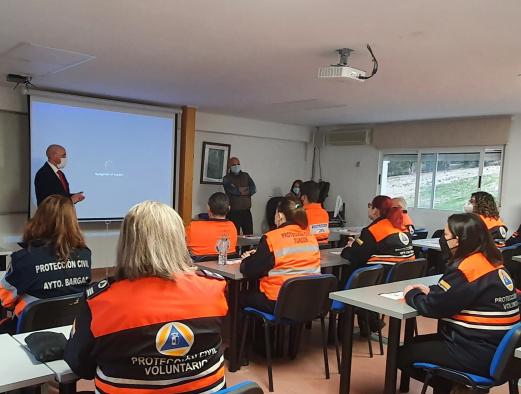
{"points": [[360, 136]]}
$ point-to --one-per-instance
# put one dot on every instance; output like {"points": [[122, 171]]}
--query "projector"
{"points": [[341, 73]]}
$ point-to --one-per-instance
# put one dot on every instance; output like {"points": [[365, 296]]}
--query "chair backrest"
{"points": [[438, 233], [504, 365], [361, 277], [420, 234], [48, 313], [407, 270], [305, 298], [247, 387], [271, 207]]}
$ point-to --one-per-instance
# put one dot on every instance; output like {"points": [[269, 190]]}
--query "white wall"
{"points": [[274, 154], [358, 185]]}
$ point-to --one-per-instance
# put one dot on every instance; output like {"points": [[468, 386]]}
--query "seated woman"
{"points": [[294, 191], [290, 247], [158, 324], [385, 241], [474, 299], [483, 204], [54, 260], [202, 235], [402, 204]]}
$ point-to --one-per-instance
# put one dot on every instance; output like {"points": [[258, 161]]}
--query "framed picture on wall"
{"points": [[213, 162]]}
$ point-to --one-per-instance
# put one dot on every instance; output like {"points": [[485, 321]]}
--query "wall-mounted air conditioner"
{"points": [[348, 136]]}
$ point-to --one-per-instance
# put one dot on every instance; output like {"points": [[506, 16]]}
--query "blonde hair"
{"points": [[152, 243], [55, 223]]}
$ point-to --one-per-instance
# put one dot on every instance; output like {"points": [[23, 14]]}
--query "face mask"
{"points": [[296, 190], [62, 163], [235, 169], [468, 207], [446, 251]]}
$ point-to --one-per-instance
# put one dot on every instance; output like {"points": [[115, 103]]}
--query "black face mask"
{"points": [[446, 253]]}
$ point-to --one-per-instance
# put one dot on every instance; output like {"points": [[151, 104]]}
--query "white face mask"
{"points": [[235, 169], [296, 190], [63, 162], [468, 207]]}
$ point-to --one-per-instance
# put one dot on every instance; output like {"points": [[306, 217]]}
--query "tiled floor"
{"points": [[305, 374]]}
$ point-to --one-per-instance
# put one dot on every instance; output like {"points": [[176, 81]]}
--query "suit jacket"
{"points": [[47, 183]]}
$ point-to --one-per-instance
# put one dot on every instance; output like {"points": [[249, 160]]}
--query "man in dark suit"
{"points": [[51, 180]]}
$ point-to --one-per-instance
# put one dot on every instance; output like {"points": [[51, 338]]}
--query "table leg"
{"points": [[391, 370], [337, 271], [233, 305], [3, 263], [347, 350], [408, 335]]}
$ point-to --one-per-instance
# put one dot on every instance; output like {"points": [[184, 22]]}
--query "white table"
{"points": [[429, 243], [353, 231], [61, 370], [518, 259], [248, 240], [18, 368], [368, 298], [517, 353]]}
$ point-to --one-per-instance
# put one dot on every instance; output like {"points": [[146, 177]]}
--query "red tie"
{"points": [[62, 180]]}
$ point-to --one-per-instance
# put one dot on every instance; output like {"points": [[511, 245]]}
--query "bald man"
{"points": [[239, 187], [51, 180]]}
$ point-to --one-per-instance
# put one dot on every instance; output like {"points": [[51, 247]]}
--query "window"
{"points": [[441, 180]]}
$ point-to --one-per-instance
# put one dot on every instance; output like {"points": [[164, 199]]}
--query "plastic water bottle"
{"points": [[222, 249]]}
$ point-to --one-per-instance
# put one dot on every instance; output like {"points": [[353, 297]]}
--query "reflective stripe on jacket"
{"points": [[296, 254]]}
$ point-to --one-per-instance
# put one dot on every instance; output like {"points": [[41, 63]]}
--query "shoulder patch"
{"points": [[98, 288], [359, 241], [444, 285]]}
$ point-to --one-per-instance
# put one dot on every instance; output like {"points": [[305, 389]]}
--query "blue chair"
{"points": [[246, 387], [361, 277], [503, 368], [300, 300]]}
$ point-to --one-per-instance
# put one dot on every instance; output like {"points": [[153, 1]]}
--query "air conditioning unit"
{"points": [[360, 136]]}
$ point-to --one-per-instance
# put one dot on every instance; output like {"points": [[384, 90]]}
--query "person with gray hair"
{"points": [[400, 202], [157, 325], [50, 179]]}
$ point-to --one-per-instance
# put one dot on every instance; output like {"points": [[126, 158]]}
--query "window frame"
{"points": [[419, 152]]}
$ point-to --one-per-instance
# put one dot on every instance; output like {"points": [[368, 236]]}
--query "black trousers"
{"points": [[433, 349], [258, 300], [242, 220]]}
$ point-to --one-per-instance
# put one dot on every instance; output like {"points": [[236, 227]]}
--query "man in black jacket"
{"points": [[51, 180]]}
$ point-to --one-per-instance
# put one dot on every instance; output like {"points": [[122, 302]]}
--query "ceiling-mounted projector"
{"points": [[342, 71]]}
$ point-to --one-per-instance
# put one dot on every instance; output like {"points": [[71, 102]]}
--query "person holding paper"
{"points": [[50, 179], [288, 251], [202, 235], [475, 301], [318, 218]]}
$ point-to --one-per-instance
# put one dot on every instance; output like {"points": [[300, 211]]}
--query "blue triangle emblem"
{"points": [[175, 340]]}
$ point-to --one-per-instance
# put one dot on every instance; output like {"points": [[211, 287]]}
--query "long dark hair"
{"points": [[385, 205], [485, 205], [294, 211], [473, 237]]}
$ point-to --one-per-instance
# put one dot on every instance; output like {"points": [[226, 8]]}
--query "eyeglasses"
{"points": [[369, 205]]}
